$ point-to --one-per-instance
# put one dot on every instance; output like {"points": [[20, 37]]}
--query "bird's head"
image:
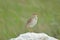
{"points": [[34, 14]]}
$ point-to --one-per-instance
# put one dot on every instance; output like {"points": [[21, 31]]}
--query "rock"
{"points": [[33, 36]]}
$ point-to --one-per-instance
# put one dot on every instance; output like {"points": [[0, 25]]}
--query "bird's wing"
{"points": [[29, 20]]}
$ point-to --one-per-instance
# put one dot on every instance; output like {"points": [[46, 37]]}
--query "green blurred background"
{"points": [[15, 13]]}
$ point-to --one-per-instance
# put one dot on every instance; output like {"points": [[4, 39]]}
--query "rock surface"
{"points": [[33, 36]]}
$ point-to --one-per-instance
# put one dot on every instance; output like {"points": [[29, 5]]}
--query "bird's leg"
{"points": [[30, 29]]}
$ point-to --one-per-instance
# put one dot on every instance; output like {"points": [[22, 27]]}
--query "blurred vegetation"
{"points": [[14, 14]]}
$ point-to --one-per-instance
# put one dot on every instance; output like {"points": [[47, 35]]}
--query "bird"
{"points": [[31, 22]]}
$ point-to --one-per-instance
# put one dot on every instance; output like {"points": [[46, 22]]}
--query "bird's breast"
{"points": [[33, 22]]}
